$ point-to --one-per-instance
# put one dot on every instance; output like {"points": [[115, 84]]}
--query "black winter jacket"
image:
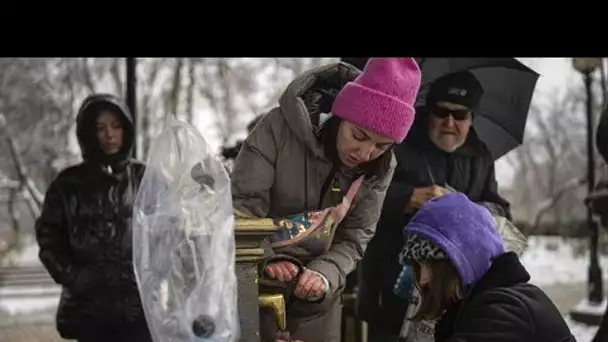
{"points": [[504, 307], [84, 233]]}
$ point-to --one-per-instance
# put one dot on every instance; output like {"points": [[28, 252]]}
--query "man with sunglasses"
{"points": [[442, 153]]}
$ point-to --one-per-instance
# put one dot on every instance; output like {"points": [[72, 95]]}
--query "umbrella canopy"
{"points": [[500, 120]]}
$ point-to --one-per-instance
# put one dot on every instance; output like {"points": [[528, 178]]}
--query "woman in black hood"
{"points": [[84, 231]]}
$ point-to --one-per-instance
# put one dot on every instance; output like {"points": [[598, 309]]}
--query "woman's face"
{"points": [[425, 274], [439, 286], [357, 145], [109, 132]]}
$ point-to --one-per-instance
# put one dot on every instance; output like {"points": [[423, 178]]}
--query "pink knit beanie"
{"points": [[382, 98]]}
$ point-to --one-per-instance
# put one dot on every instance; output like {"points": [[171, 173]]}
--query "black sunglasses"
{"points": [[458, 115]]}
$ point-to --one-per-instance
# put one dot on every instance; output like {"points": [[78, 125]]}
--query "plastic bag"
{"points": [[514, 240], [183, 241]]}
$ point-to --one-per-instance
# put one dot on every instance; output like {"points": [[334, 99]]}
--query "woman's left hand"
{"points": [[310, 286]]}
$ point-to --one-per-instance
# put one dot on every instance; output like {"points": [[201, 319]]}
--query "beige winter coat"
{"points": [[281, 170]]}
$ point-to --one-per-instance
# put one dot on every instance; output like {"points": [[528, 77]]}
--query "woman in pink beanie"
{"points": [[329, 138]]}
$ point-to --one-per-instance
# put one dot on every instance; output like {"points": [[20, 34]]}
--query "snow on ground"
{"points": [[25, 306], [582, 332], [27, 256], [552, 259]]}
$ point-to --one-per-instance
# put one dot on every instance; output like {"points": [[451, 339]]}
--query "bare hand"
{"points": [[422, 195], [282, 270], [310, 285]]}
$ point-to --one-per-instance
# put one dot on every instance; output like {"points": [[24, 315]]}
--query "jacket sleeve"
{"points": [[52, 236], [491, 199], [353, 234], [494, 316], [253, 171]]}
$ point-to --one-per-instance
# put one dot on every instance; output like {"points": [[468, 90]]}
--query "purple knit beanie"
{"points": [[453, 226], [382, 98]]}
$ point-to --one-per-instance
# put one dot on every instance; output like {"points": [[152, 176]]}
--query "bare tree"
{"points": [[117, 73], [38, 104], [550, 166], [149, 103], [238, 89], [226, 84], [171, 104], [192, 63]]}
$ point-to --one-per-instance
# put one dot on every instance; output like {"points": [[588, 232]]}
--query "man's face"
{"points": [[449, 125]]}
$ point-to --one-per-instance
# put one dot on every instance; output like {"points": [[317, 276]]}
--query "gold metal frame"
{"points": [[276, 303]]}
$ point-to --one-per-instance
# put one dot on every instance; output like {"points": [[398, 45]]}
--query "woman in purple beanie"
{"points": [[330, 138], [476, 290]]}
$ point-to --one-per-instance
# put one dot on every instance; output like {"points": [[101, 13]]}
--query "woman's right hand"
{"points": [[281, 270]]}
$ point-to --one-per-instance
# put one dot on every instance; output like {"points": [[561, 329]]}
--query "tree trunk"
{"points": [[190, 91], [116, 76], [173, 100], [146, 106], [13, 210], [88, 76], [229, 114]]}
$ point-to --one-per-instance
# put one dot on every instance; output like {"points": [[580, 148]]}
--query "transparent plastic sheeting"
{"points": [[183, 241], [514, 240]]}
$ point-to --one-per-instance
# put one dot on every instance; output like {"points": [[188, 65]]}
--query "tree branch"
{"points": [[25, 182]]}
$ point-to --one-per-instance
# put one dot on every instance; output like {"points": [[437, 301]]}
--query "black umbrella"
{"points": [[500, 120]]}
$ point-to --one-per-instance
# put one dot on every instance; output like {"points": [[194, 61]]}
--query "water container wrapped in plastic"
{"points": [[183, 241]]}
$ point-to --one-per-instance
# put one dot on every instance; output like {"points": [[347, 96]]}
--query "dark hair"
{"points": [[443, 290], [95, 109], [329, 137]]}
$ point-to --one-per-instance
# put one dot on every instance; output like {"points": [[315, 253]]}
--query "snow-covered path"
{"points": [[582, 332]]}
